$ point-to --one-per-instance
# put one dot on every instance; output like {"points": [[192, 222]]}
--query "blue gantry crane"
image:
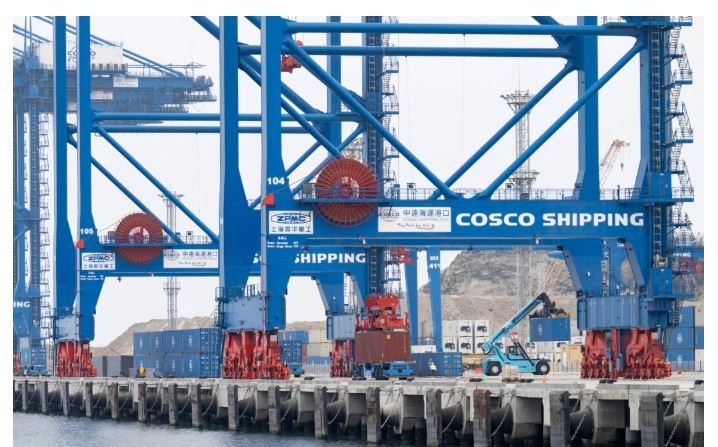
{"points": [[351, 207], [116, 86]]}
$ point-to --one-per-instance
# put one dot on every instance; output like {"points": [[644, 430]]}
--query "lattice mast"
{"points": [[521, 182], [171, 285]]}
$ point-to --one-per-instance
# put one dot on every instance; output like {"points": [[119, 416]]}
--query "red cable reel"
{"points": [[345, 179], [135, 232]]}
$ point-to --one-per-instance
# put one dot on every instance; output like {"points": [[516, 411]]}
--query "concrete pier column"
{"points": [[434, 419], [65, 397], [232, 408], [274, 410], [43, 397], [560, 421], [196, 402], [373, 415], [142, 402], [172, 403], [650, 419], [321, 422], [88, 399], [114, 401], [24, 394], [482, 418]]}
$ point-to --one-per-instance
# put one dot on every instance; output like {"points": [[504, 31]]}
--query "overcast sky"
{"points": [[449, 107]]}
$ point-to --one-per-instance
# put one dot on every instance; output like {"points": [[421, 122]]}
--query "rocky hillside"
{"points": [[482, 285]]}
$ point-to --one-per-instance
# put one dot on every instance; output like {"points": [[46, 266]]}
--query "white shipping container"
{"points": [[451, 344], [545, 347], [418, 349], [317, 335], [482, 327], [466, 345], [318, 349], [450, 328], [466, 328]]}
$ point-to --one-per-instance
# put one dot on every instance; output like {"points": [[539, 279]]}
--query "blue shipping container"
{"points": [[688, 317], [141, 360], [300, 336], [699, 337], [682, 338], [157, 342], [550, 329], [292, 351], [157, 361], [201, 365], [448, 364], [174, 365], [202, 340], [173, 342], [141, 342], [683, 359]]}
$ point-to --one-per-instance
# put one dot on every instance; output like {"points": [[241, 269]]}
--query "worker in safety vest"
{"points": [[141, 371], [432, 367]]}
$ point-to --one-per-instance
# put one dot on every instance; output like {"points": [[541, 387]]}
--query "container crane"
{"points": [[609, 160]]}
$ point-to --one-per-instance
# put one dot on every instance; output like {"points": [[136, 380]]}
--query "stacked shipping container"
{"points": [[685, 346], [465, 336], [180, 353]]}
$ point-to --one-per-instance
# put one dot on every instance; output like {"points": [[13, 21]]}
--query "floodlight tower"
{"points": [[521, 182], [171, 285]]}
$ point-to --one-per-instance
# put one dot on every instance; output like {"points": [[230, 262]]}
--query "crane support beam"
{"points": [[424, 28], [316, 50]]}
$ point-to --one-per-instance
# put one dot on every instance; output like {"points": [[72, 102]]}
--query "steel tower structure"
{"points": [[171, 285], [522, 181], [343, 210]]}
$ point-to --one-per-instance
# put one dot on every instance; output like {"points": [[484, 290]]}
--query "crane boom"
{"points": [[610, 159]]}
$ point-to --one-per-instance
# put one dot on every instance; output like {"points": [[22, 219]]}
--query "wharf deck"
{"points": [[433, 411]]}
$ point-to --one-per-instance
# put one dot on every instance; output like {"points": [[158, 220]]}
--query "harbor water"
{"points": [[60, 431]]}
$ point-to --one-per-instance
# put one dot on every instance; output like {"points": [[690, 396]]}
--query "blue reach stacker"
{"points": [[515, 355]]}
